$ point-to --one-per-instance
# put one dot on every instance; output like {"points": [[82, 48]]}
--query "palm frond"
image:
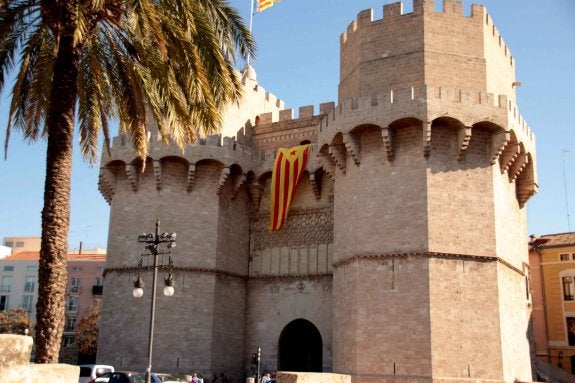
{"points": [[16, 18]]}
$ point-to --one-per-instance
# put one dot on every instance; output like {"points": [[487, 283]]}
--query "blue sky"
{"points": [[298, 61]]}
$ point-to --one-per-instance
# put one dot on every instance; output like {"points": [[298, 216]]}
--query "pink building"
{"points": [[19, 288], [84, 288]]}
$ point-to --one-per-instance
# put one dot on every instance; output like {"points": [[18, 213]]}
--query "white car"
{"points": [[89, 372]]}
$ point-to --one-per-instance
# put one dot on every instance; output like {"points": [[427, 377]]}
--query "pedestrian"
{"points": [[266, 377], [195, 378]]}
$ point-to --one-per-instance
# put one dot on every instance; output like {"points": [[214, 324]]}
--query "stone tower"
{"points": [[404, 255]]}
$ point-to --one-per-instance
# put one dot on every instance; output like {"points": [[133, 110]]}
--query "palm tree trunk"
{"points": [[52, 273]]}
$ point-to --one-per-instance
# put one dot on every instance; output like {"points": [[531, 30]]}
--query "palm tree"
{"points": [[88, 62]]}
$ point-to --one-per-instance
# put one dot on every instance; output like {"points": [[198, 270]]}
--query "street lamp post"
{"points": [[152, 242]]}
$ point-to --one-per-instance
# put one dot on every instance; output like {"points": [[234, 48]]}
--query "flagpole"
{"points": [[251, 19]]}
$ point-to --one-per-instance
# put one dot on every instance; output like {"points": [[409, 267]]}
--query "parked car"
{"points": [[104, 378], [168, 378], [125, 377], [139, 377], [89, 372]]}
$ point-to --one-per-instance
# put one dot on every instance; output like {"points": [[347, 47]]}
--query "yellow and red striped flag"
{"points": [[288, 169], [265, 4]]}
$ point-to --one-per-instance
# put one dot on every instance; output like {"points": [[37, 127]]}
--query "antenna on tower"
{"points": [[565, 186]]}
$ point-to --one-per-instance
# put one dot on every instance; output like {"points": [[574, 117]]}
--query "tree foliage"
{"points": [[88, 329], [14, 321], [86, 63]]}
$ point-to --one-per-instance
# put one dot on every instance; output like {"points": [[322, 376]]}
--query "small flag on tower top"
{"points": [[265, 4]]}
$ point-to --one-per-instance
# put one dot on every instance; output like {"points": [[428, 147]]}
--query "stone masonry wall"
{"points": [[465, 328], [274, 302], [380, 206], [514, 316], [233, 236], [460, 204], [510, 221], [393, 45], [381, 318], [186, 335], [454, 48], [500, 63]]}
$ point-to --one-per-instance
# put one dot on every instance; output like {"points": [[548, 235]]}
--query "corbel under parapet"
{"points": [[106, 182], [352, 147], [337, 153], [315, 180], [191, 177], [518, 165], [463, 138], [525, 190], [239, 180], [256, 190], [508, 156], [158, 174], [132, 174], [426, 127], [222, 181], [498, 143], [387, 137], [327, 164]]}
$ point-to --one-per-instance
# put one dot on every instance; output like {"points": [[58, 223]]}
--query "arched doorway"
{"points": [[300, 347]]}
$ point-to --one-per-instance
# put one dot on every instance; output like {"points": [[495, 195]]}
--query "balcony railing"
{"points": [[97, 289], [72, 308]]}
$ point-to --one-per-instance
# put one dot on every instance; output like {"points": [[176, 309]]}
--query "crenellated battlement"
{"points": [[494, 38], [258, 91], [287, 116], [394, 12], [426, 103], [413, 48]]}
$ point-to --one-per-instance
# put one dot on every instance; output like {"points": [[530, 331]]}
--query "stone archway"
{"points": [[300, 347]]}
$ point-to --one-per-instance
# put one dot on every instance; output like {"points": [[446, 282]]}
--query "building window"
{"points": [[31, 269], [100, 269], [29, 284], [75, 285], [4, 302], [571, 330], [99, 281], [8, 268], [67, 340], [6, 284], [76, 269], [9, 243], [565, 257], [70, 324], [19, 244], [28, 302], [568, 288], [72, 303]]}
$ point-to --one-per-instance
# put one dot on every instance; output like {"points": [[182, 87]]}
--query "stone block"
{"points": [[15, 366], [311, 377]]}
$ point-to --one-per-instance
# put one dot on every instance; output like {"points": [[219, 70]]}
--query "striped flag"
{"points": [[265, 4], [288, 168]]}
